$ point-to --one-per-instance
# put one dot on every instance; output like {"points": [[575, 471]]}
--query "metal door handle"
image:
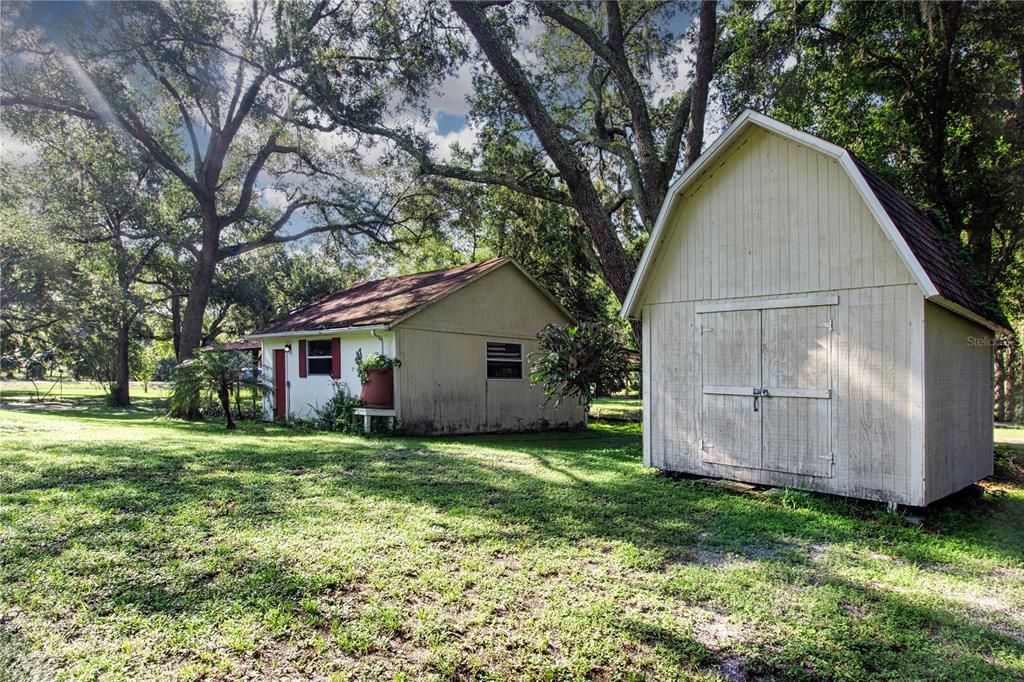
{"points": [[759, 393]]}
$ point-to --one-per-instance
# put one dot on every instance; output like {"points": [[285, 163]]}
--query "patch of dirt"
{"points": [[1008, 630], [698, 555], [853, 610], [716, 630], [732, 668], [507, 563]]}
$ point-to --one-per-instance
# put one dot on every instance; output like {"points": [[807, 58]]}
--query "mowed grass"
{"points": [[137, 547], [55, 392], [617, 408]]}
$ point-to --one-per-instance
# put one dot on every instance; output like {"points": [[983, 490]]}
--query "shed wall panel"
{"points": [[501, 303], [306, 394], [958, 402], [443, 378], [445, 389], [872, 366], [772, 218]]}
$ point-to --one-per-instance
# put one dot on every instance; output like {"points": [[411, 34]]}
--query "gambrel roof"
{"points": [[935, 258], [383, 303]]}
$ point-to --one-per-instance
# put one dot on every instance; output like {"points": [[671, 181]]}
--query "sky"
{"points": [[449, 106]]}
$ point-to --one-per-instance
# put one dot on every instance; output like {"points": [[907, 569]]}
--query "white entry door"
{"points": [[767, 394]]}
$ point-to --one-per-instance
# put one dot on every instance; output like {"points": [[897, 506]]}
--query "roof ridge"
{"points": [[365, 304], [324, 299]]}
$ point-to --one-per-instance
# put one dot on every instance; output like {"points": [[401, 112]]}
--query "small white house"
{"points": [[463, 336], [805, 325]]}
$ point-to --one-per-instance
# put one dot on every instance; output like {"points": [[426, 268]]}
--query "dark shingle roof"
{"points": [[380, 302], [940, 254], [242, 344]]}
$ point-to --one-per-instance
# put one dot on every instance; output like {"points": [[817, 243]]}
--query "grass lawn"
{"points": [[617, 408], [133, 546]]}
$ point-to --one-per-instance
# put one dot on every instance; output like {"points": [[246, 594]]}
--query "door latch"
{"points": [[759, 393]]}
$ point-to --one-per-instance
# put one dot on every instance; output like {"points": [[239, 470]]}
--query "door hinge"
{"points": [[700, 445], [705, 330]]}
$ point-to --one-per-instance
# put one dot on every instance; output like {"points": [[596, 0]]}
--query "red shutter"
{"points": [[336, 358], [302, 358]]}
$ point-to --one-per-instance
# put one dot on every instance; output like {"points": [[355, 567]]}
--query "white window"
{"points": [[318, 356], [504, 360]]}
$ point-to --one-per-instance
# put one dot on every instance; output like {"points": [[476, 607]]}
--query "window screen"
{"points": [[318, 357], [504, 360]]}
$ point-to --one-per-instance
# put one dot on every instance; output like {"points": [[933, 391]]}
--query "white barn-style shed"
{"points": [[806, 326]]}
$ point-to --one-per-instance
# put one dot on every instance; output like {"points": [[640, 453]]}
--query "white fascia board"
{"points": [[322, 332], [969, 314]]}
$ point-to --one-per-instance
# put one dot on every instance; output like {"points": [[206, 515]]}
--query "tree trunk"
{"points": [[615, 265], [176, 323], [998, 399], [1011, 374], [702, 78], [121, 396], [200, 287], [225, 403]]}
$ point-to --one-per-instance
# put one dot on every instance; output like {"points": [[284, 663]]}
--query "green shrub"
{"points": [[204, 384], [579, 361], [338, 413]]}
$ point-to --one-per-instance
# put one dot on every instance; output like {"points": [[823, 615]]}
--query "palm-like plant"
{"points": [[212, 372]]}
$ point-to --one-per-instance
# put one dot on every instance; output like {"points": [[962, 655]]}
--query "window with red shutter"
{"points": [[336, 358], [320, 359]]}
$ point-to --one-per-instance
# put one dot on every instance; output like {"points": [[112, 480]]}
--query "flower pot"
{"points": [[379, 389]]}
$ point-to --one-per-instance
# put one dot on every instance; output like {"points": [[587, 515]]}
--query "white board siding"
{"points": [[443, 379], [872, 358], [445, 388], [958, 402], [773, 218]]}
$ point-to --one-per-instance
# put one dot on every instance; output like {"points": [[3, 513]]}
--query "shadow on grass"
{"points": [[588, 486], [585, 487]]}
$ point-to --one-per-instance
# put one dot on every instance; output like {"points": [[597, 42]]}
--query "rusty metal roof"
{"points": [[379, 303]]}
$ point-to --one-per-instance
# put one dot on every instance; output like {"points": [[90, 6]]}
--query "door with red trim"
{"points": [[280, 385]]}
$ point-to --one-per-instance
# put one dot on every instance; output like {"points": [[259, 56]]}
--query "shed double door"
{"points": [[767, 396]]}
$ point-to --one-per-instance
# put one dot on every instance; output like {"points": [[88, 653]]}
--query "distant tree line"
{"points": [[199, 168]]}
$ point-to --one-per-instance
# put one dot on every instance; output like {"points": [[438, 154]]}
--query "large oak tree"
{"points": [[200, 89]]}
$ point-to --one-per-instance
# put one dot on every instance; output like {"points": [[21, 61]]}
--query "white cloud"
{"points": [[274, 198], [453, 93], [465, 137]]}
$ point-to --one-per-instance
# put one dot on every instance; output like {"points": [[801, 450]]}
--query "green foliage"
{"points": [[142, 363], [212, 374], [559, 556], [579, 361], [337, 414], [374, 361]]}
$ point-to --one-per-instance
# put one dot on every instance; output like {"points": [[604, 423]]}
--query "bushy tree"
{"points": [[579, 361]]}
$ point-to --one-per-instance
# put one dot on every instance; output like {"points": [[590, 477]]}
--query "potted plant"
{"points": [[377, 375]]}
